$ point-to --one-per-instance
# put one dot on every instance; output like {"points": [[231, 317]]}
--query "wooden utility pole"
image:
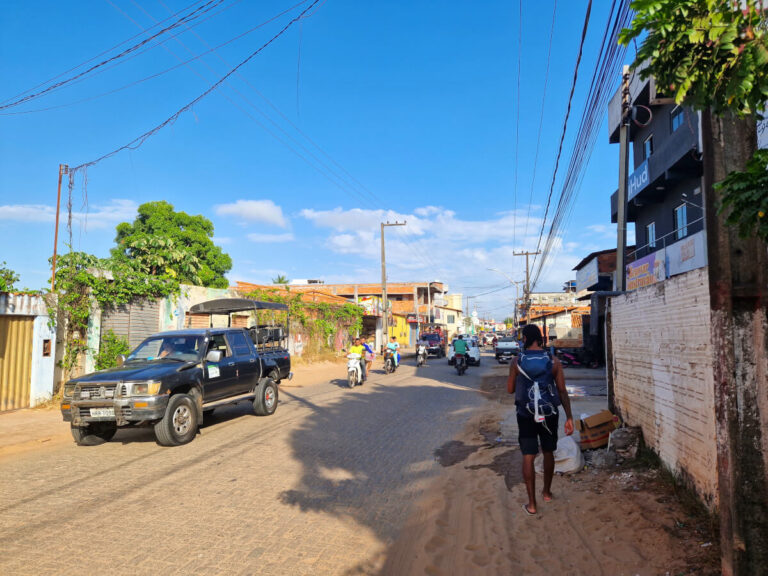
{"points": [[738, 292], [384, 300], [527, 295], [63, 169], [621, 197]]}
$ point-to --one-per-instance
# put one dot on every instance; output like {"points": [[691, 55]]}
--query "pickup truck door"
{"points": [[219, 378], [246, 362]]}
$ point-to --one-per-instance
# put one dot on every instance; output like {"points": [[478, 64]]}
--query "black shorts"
{"points": [[532, 432]]}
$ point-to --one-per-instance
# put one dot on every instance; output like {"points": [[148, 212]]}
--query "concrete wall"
{"points": [[662, 374]]}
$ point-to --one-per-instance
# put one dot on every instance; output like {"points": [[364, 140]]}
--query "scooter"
{"points": [[421, 356], [460, 361], [354, 370], [389, 362]]}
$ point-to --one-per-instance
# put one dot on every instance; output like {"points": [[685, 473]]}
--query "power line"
{"points": [[541, 115], [162, 72], [565, 122], [189, 17]]}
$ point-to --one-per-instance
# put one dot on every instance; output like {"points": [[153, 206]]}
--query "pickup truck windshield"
{"points": [[432, 337], [184, 348]]}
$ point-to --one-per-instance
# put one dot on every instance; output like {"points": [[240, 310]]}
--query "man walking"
{"points": [[538, 383]]}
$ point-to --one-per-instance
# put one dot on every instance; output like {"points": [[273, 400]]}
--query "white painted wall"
{"points": [[662, 372], [41, 388]]}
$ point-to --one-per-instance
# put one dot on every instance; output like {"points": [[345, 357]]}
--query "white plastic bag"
{"points": [[568, 458]]}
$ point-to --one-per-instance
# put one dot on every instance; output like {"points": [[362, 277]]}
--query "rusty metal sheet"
{"points": [[16, 336]]}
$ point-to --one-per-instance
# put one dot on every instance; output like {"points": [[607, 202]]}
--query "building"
{"points": [[558, 314], [664, 197], [416, 303]]}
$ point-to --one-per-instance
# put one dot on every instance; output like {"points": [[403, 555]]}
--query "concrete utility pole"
{"points": [[527, 294], [63, 169], [621, 200], [384, 278]]}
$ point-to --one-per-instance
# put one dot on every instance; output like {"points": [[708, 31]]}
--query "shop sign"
{"points": [[647, 270], [586, 276], [638, 180], [687, 254]]}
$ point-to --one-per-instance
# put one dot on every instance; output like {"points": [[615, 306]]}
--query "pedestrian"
{"points": [[538, 413], [370, 356]]}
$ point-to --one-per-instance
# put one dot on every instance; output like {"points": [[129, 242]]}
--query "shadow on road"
{"points": [[367, 455]]}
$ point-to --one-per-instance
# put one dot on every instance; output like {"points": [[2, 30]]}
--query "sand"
{"points": [[612, 522]]}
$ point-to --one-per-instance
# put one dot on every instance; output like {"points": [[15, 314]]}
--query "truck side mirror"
{"points": [[121, 359], [213, 356]]}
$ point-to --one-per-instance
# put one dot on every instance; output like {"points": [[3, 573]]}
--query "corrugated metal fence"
{"points": [[134, 321], [16, 337]]}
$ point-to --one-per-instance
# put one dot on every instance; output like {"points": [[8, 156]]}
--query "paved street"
{"points": [[321, 487]]}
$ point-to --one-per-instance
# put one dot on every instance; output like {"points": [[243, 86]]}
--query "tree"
{"points": [[161, 241], [7, 278], [713, 55], [281, 279]]}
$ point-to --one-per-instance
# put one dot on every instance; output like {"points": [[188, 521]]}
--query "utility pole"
{"points": [[63, 169], [527, 295], [621, 199], [384, 279]]}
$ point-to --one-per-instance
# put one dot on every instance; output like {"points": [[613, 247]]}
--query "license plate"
{"points": [[508, 353], [102, 412]]}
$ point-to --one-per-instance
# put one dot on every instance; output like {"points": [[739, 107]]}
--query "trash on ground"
{"points": [[596, 429], [568, 458], [626, 442]]}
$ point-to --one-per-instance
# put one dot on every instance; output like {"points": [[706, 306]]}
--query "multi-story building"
{"points": [[664, 197]]}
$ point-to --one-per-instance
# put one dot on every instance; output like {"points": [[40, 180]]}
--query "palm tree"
{"points": [[281, 279]]}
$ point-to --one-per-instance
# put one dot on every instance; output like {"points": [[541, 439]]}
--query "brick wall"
{"points": [[662, 372]]}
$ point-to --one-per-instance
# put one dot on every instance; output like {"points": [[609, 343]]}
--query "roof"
{"points": [[310, 293], [227, 305], [370, 289], [589, 257]]}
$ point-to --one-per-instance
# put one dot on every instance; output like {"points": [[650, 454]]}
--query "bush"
{"points": [[111, 347]]}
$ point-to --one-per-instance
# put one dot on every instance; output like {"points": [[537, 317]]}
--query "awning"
{"points": [[228, 305]]}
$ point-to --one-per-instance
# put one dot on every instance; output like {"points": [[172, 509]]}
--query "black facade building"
{"points": [[665, 168]]}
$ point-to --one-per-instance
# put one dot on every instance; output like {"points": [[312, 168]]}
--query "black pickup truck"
{"points": [[171, 380]]}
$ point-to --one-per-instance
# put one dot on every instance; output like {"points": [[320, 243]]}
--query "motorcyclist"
{"points": [[421, 348], [370, 355], [394, 346], [460, 347], [357, 348]]}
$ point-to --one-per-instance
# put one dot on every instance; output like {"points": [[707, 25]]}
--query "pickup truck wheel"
{"points": [[95, 434], [179, 425], [265, 402]]}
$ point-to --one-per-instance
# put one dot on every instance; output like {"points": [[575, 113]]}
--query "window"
{"points": [[676, 117], [46, 347], [650, 234], [681, 221], [238, 344], [648, 147], [451, 319]]}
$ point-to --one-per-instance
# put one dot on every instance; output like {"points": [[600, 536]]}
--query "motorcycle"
{"points": [[389, 362], [460, 361], [421, 355], [354, 370]]}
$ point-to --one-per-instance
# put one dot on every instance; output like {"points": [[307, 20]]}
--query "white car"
{"points": [[473, 351]]}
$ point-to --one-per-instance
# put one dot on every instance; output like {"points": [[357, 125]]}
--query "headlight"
{"points": [[149, 388], [69, 390]]}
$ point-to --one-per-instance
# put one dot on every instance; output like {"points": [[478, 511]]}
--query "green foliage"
{"points": [[163, 242], [281, 279], [84, 281], [745, 197], [320, 319], [7, 278], [111, 347], [707, 53]]}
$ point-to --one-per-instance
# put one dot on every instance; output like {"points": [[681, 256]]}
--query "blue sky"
{"points": [[360, 112]]}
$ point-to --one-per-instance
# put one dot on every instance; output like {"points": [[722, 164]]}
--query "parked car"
{"points": [[473, 351], [434, 344], [171, 380], [506, 348]]}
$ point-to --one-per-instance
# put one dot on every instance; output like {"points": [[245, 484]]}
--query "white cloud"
{"points": [[96, 216], [271, 238], [265, 211]]}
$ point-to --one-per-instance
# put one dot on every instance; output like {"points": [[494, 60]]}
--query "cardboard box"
{"points": [[595, 430]]}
